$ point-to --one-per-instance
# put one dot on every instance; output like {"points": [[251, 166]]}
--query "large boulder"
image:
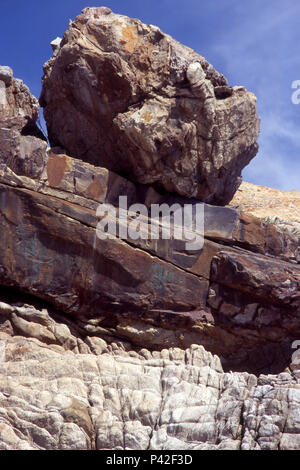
{"points": [[124, 95]]}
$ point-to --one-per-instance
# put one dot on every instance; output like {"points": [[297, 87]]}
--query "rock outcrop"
{"points": [[21, 142], [238, 295], [281, 208], [126, 96], [132, 342], [60, 390]]}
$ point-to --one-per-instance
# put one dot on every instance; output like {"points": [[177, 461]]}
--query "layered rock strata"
{"points": [[238, 295]]}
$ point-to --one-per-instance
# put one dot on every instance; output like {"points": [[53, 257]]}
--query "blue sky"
{"points": [[254, 43]]}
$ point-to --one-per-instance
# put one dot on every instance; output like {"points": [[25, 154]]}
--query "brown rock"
{"points": [[126, 96], [267, 279], [151, 292], [18, 107]]}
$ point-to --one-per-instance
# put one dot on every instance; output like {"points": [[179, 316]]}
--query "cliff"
{"points": [[133, 342]]}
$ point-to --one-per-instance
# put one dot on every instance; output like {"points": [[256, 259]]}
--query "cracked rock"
{"points": [[56, 394], [126, 96]]}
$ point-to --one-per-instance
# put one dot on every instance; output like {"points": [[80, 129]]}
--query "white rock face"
{"points": [[6, 75], [3, 100], [60, 391]]}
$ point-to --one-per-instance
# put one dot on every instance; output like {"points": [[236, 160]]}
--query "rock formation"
{"points": [[126, 96], [133, 343], [60, 391], [281, 208]]}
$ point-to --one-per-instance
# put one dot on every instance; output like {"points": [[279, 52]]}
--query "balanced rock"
{"points": [[126, 96]]}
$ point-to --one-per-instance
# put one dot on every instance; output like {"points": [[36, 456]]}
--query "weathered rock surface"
{"points": [[102, 341], [21, 142], [61, 390], [238, 295], [281, 208], [126, 96]]}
